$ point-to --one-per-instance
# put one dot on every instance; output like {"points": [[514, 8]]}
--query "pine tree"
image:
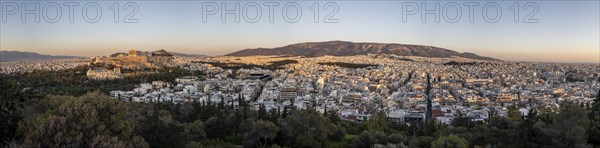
{"points": [[325, 110], [222, 103], [284, 114], [273, 115], [242, 105], [262, 112]]}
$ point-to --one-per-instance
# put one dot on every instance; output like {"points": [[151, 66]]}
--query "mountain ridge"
{"points": [[7, 55], [345, 48]]}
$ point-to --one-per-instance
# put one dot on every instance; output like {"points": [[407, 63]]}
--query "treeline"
{"points": [[452, 63], [44, 110], [96, 120], [236, 66], [347, 65], [17, 90]]}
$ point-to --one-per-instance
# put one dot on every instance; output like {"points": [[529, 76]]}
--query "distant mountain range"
{"points": [[309, 49], [18, 55], [344, 48]]}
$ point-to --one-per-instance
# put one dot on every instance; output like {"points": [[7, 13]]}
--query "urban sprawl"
{"points": [[407, 89]]}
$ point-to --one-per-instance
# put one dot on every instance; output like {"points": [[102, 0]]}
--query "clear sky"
{"points": [[565, 31]]}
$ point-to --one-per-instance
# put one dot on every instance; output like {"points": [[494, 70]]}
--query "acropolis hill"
{"points": [[133, 60]]}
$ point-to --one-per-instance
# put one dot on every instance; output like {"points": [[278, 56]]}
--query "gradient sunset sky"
{"points": [[567, 31]]}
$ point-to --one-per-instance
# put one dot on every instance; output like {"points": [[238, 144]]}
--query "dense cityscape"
{"points": [[405, 92], [299, 74]]}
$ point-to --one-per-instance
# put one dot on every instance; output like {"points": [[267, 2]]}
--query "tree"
{"points": [[216, 126], [501, 131], [213, 143], [514, 114], [462, 122], [285, 112], [160, 130], [568, 128], [261, 132], [335, 119], [273, 115], [262, 112], [427, 128], [458, 131], [390, 145], [365, 139], [421, 141], [92, 120], [594, 130], [480, 136], [450, 141], [194, 131], [528, 134], [377, 123], [305, 128], [12, 99]]}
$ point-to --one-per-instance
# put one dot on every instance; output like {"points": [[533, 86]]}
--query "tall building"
{"points": [[288, 93]]}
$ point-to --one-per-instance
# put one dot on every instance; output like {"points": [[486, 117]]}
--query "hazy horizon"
{"points": [[565, 31]]}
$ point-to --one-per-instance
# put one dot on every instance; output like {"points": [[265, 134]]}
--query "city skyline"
{"points": [[565, 32]]}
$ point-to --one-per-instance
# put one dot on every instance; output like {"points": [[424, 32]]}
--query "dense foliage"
{"points": [[236, 66], [75, 82], [46, 114], [347, 65], [92, 120]]}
